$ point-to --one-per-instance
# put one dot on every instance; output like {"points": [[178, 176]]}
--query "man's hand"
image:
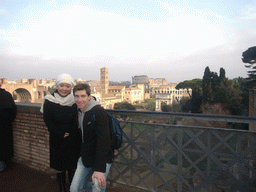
{"points": [[66, 135], [100, 177]]}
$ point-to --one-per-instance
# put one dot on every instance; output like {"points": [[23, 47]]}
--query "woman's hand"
{"points": [[66, 135]]}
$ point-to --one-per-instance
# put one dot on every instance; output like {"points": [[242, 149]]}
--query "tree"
{"points": [[189, 84], [165, 107], [220, 90], [207, 86], [124, 106], [194, 103], [174, 107], [213, 85], [249, 56], [196, 100], [185, 104], [222, 74], [242, 105]]}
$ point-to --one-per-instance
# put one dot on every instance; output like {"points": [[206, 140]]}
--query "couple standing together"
{"points": [[79, 144]]}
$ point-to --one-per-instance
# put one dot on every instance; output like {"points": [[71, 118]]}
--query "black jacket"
{"points": [[64, 152], [96, 146], [7, 116]]}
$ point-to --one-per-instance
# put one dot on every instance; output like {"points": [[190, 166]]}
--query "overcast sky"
{"points": [[168, 39]]}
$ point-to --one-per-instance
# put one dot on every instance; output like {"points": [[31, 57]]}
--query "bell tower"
{"points": [[104, 81]]}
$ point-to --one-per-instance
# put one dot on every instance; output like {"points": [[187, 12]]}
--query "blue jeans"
{"points": [[80, 180]]}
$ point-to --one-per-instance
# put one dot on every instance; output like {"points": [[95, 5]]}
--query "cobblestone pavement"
{"points": [[19, 178]]}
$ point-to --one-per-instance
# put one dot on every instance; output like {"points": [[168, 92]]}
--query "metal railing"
{"points": [[167, 152]]}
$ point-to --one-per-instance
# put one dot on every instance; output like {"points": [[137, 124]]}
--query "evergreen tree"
{"points": [[207, 86], [249, 56], [196, 100], [222, 74]]}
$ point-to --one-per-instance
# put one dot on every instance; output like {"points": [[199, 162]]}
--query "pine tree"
{"points": [[249, 56]]}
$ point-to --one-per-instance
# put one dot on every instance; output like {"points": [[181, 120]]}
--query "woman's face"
{"points": [[64, 89]]}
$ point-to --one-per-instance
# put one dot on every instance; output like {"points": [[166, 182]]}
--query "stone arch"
{"points": [[39, 95], [22, 95]]}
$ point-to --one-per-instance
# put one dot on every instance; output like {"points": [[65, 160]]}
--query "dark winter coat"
{"points": [[7, 116], [96, 146], [64, 152]]}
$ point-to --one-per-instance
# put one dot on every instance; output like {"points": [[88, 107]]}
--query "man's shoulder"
{"points": [[99, 111], [98, 108]]}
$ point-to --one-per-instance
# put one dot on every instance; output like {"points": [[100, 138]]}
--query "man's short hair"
{"points": [[82, 86]]}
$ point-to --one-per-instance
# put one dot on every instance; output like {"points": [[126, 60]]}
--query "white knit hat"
{"points": [[65, 78]]}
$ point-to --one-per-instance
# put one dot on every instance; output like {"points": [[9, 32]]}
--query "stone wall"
{"points": [[31, 138]]}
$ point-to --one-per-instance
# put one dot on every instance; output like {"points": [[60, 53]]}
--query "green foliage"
{"points": [[241, 107], [165, 107], [216, 89], [196, 100], [249, 56], [185, 104], [222, 73], [189, 84], [207, 85], [233, 96], [147, 104], [175, 107], [192, 104], [124, 106]]}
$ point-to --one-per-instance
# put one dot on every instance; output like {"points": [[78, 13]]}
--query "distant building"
{"points": [[120, 83], [104, 80], [157, 82], [141, 79], [26, 92], [47, 82], [24, 80], [135, 93], [168, 94], [79, 80], [119, 93]]}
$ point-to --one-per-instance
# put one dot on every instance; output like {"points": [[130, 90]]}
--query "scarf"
{"points": [[56, 98]]}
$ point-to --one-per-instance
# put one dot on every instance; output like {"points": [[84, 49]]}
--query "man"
{"points": [[7, 116], [96, 153]]}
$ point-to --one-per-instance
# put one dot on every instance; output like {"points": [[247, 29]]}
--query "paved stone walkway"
{"points": [[19, 178]]}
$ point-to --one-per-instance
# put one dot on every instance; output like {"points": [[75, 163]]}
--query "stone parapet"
{"points": [[31, 138]]}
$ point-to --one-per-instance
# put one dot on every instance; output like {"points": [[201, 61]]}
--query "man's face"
{"points": [[82, 99]]}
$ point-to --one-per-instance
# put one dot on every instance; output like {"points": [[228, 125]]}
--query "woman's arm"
{"points": [[51, 124]]}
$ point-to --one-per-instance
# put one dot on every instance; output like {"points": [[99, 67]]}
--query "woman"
{"points": [[60, 118]]}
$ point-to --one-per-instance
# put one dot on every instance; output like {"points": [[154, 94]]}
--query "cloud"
{"points": [[79, 31], [3, 11], [80, 40], [249, 12]]}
